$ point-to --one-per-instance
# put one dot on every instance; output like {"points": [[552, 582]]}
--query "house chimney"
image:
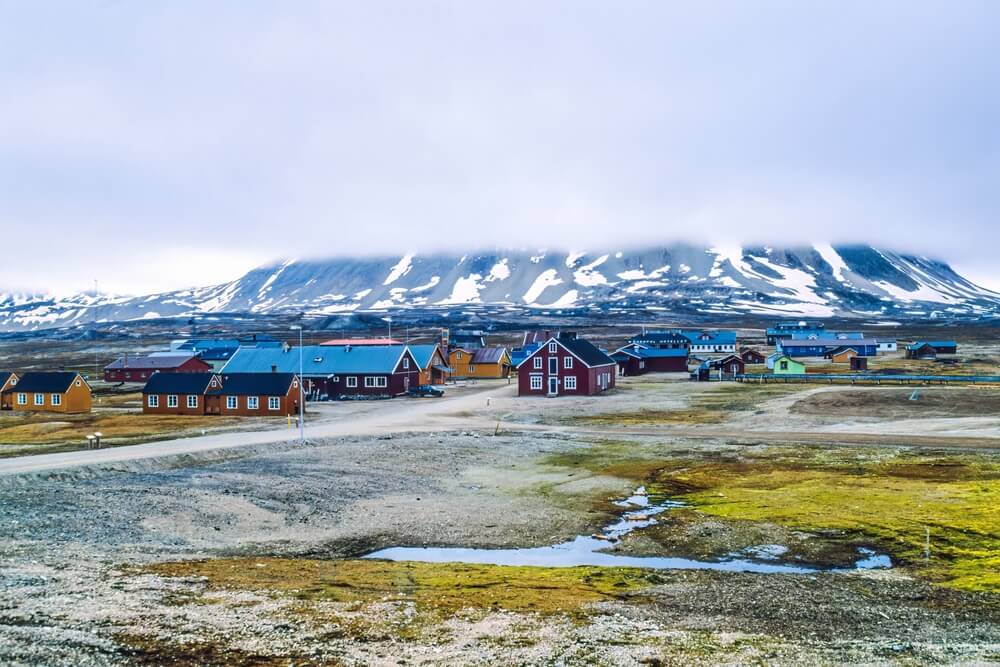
{"points": [[274, 368], [347, 348]]}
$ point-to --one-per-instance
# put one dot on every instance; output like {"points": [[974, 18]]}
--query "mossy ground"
{"points": [[887, 498], [435, 589]]}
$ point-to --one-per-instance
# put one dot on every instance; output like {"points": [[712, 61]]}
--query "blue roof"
{"points": [[199, 344], [657, 353], [422, 353], [317, 359], [932, 343], [717, 337]]}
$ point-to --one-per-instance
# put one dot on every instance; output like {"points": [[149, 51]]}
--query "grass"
{"points": [[119, 428], [438, 590], [883, 497]]}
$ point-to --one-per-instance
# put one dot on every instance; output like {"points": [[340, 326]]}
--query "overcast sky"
{"points": [[155, 145]]}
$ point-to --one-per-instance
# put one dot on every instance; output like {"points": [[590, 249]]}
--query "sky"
{"points": [[161, 144]]}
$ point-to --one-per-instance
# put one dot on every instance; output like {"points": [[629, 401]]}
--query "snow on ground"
{"points": [[466, 290], [588, 276], [796, 281], [567, 300], [807, 309], [362, 294], [400, 269], [831, 257], [545, 279], [923, 293], [500, 271], [640, 274], [572, 258], [274, 276], [426, 286]]}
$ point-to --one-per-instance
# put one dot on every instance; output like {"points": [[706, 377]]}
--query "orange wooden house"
{"points": [[61, 391]]}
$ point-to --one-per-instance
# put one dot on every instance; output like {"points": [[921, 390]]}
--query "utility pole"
{"points": [[302, 392]]}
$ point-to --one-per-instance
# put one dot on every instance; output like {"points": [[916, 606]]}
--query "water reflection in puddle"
{"points": [[586, 550]]}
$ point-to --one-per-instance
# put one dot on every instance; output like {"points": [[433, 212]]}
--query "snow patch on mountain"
{"points": [[546, 279], [399, 270]]}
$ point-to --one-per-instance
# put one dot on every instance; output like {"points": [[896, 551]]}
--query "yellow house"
{"points": [[485, 362]]}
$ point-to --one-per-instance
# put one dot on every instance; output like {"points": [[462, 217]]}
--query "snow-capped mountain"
{"points": [[818, 281]]}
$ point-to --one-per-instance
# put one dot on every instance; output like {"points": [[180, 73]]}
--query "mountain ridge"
{"points": [[804, 281]]}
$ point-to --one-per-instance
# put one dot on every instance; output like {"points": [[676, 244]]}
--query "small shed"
{"points": [[785, 365], [843, 355], [752, 356], [859, 363]]}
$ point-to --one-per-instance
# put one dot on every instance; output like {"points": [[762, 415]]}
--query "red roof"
{"points": [[362, 341]]}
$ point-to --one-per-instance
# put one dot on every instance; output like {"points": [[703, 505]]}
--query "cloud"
{"points": [[244, 130]]}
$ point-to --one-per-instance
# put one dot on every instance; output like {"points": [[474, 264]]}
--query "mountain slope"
{"points": [[818, 281]]}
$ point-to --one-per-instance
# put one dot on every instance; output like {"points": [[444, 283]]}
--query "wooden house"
{"points": [[842, 355], [479, 362], [141, 367], [566, 365], [859, 363], [661, 340], [930, 349], [636, 359], [233, 394], [433, 366], [336, 372], [785, 365], [60, 391], [730, 365], [7, 381], [710, 341], [751, 355]]}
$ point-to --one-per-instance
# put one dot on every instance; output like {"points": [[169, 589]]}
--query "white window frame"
{"points": [[192, 401], [406, 363], [273, 403], [553, 348], [536, 383], [39, 399], [569, 383], [538, 363], [172, 400], [232, 402], [253, 402], [55, 399], [567, 362], [153, 401], [472, 369], [22, 399], [376, 382], [351, 381]]}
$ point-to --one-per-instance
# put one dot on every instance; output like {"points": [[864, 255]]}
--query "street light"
{"points": [[302, 391]]}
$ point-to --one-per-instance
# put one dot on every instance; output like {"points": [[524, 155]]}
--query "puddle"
{"points": [[587, 550]]}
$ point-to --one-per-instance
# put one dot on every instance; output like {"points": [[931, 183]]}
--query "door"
{"points": [[553, 386]]}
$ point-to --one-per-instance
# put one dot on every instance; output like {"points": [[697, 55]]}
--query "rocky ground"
{"points": [[231, 557]]}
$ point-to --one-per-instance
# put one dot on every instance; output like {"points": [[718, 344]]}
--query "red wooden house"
{"points": [[232, 394], [566, 366], [141, 367]]}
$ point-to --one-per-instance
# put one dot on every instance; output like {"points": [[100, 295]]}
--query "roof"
{"points": [[489, 355], [178, 383], [640, 352], [4, 377], [216, 354], [200, 344], [47, 382], [659, 337], [362, 341], [254, 384], [317, 360], [582, 349], [714, 337], [156, 361], [933, 343], [829, 342], [423, 353], [842, 349]]}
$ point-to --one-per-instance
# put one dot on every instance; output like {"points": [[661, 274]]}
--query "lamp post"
{"points": [[302, 391]]}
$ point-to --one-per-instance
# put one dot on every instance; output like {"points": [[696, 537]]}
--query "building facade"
{"points": [[566, 366]]}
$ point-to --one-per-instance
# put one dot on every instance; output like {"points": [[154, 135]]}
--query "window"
{"points": [[352, 381], [538, 363], [22, 399], [536, 381], [172, 401], [78, 382], [39, 399], [192, 401], [553, 347], [406, 362], [153, 401], [567, 362], [127, 374], [273, 403], [784, 365], [56, 399], [215, 383], [570, 383], [472, 369], [230, 402], [458, 355], [376, 381], [253, 402]]}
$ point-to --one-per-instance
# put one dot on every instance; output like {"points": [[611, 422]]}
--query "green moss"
{"points": [[436, 588]]}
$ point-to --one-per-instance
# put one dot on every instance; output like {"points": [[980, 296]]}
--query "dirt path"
{"points": [[338, 420]]}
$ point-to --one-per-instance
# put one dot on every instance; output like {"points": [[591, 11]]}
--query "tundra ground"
{"points": [[251, 555]]}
